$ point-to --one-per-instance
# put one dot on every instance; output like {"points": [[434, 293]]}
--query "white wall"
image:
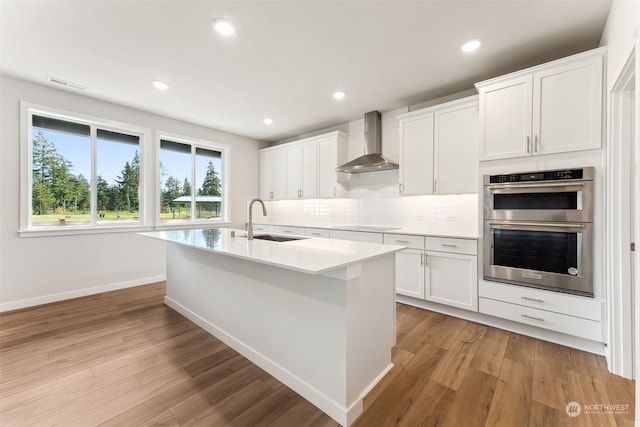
{"points": [[36, 270], [620, 34]]}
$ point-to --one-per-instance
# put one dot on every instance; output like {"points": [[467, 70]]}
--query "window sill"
{"points": [[67, 230]]}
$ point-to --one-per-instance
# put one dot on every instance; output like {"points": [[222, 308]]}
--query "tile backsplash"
{"points": [[442, 214]]}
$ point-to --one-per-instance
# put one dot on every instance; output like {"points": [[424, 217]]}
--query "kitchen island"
{"points": [[317, 314]]}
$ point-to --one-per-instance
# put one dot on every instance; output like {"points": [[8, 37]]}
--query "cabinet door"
{"points": [[272, 174], [455, 162], [409, 273], [451, 279], [416, 155], [266, 181], [328, 179], [309, 173], [293, 187], [505, 119], [278, 173], [567, 107]]}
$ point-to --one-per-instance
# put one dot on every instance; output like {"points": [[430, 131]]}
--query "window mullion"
{"points": [[94, 176], [193, 183]]}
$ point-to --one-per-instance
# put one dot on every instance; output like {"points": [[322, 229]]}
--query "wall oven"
{"points": [[538, 229]]}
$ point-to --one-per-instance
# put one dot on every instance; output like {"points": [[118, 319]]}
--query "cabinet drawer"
{"points": [[317, 232], [359, 236], [447, 244], [570, 325], [571, 305], [288, 230], [263, 228], [413, 242]]}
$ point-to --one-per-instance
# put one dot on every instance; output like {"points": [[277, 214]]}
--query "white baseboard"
{"points": [[342, 415], [46, 299]]}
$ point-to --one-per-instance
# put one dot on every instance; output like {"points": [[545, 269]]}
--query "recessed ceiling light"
{"points": [[471, 46], [268, 121], [339, 95], [159, 85], [223, 27]]}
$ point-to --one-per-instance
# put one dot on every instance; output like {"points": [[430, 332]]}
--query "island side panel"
{"points": [[371, 331], [291, 324]]}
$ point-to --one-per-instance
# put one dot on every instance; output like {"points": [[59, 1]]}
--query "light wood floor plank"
{"points": [[124, 359]]}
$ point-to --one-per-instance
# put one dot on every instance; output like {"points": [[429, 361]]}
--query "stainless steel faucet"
{"points": [[250, 225]]}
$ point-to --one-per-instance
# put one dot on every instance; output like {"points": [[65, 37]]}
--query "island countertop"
{"points": [[307, 255]]}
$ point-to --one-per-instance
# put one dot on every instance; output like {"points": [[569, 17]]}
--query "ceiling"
{"points": [[287, 58]]}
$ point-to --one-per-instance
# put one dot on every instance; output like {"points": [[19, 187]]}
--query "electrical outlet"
{"points": [[451, 217]]}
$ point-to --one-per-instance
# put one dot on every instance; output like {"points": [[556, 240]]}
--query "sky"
{"points": [[111, 157]]}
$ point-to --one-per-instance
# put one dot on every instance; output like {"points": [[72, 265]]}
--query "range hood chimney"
{"points": [[372, 160]]}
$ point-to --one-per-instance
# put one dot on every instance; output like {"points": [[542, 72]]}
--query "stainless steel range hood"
{"points": [[372, 160]]}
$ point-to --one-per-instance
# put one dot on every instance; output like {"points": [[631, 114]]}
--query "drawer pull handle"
{"points": [[446, 245], [539, 319], [287, 231], [402, 241], [316, 234], [532, 299]]}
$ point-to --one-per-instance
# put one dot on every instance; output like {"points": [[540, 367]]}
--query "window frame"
{"points": [[27, 229], [225, 151]]}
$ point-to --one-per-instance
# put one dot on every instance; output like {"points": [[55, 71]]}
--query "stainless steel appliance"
{"points": [[538, 229]]}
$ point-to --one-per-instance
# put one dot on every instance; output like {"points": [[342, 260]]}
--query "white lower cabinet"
{"points": [[358, 236], [281, 229], [262, 228], [569, 314], [446, 275], [410, 273], [317, 232], [452, 279]]}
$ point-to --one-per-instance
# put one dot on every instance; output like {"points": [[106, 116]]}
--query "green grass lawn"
{"points": [[111, 216]]}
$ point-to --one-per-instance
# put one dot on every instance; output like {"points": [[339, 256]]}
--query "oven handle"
{"points": [[493, 187], [533, 225]]}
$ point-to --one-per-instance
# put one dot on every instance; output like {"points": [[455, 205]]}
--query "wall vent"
{"points": [[62, 82]]}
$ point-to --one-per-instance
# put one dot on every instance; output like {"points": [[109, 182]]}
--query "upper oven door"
{"points": [[540, 201]]}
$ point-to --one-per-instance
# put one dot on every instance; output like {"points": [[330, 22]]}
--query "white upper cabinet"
{"points": [[301, 170], [551, 108], [416, 154], [332, 152], [304, 169], [438, 149], [272, 173], [455, 148]]}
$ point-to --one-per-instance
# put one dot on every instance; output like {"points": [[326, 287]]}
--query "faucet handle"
{"points": [[246, 226]]}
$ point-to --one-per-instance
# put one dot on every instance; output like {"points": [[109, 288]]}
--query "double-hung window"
{"points": [[85, 173], [192, 181]]}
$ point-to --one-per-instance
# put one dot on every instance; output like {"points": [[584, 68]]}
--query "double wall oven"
{"points": [[538, 229]]}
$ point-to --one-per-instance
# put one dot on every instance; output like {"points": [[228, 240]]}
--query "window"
{"points": [[192, 181], [84, 172]]}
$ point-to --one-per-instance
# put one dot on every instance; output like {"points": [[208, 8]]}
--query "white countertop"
{"points": [[449, 233], [308, 255]]}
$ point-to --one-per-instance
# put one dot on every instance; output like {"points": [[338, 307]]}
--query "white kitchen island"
{"points": [[317, 314]]}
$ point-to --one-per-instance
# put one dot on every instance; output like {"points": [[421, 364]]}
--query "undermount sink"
{"points": [[276, 238]]}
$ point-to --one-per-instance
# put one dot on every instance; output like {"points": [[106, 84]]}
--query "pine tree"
{"points": [[211, 183]]}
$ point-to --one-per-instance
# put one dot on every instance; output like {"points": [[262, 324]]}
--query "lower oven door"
{"points": [[554, 256]]}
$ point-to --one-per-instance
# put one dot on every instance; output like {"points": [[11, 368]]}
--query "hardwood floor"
{"points": [[125, 359]]}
